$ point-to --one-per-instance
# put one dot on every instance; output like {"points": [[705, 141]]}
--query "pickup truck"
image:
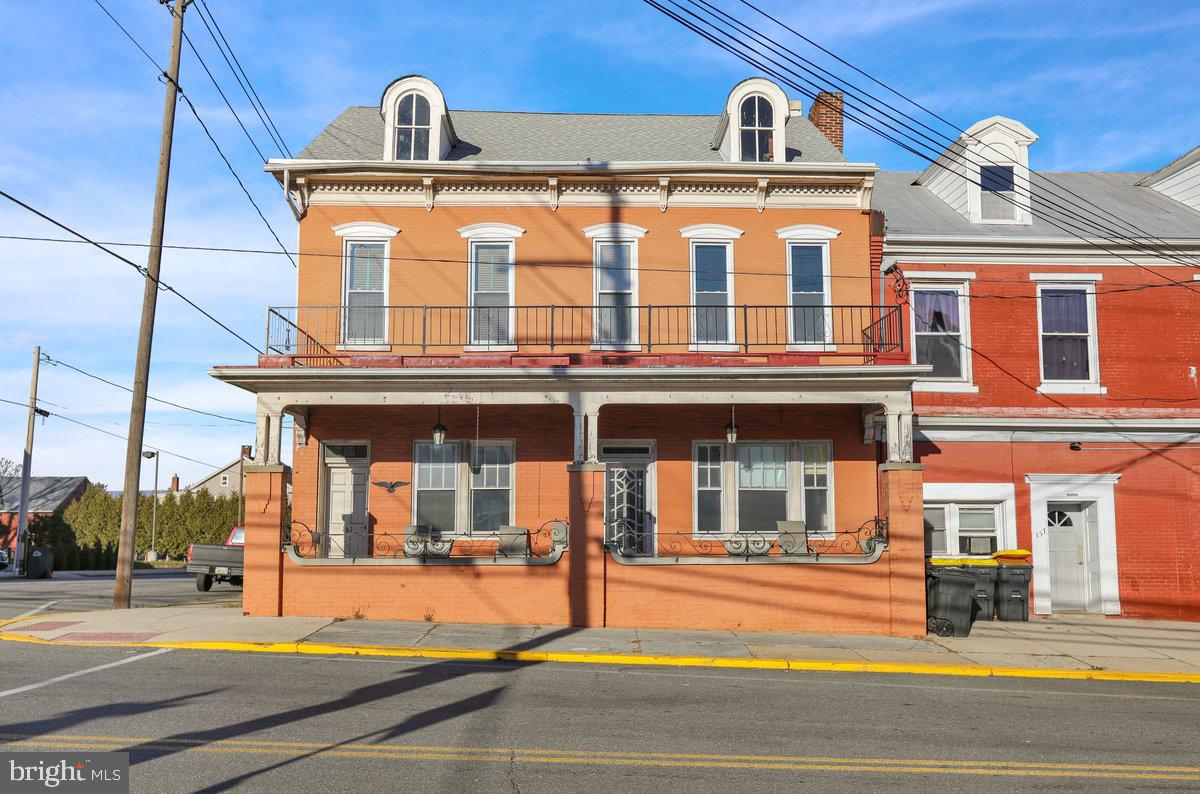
{"points": [[218, 563]]}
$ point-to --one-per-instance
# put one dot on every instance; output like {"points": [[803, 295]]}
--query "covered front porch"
{"points": [[711, 498]]}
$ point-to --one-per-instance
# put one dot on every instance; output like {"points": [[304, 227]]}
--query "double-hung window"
{"points": [[434, 497], [808, 276], [962, 528], [1067, 320], [997, 193], [364, 280], [491, 293], [712, 292], [615, 322], [463, 487], [939, 312], [491, 487], [750, 486]]}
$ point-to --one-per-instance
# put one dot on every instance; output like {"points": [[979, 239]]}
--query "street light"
{"points": [[153, 555]]}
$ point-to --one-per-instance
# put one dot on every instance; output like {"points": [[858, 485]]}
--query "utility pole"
{"points": [[27, 465], [141, 372]]}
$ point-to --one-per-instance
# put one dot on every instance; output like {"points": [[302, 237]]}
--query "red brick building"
{"points": [[1062, 414], [600, 370]]}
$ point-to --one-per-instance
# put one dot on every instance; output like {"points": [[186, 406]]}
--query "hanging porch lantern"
{"points": [[439, 430], [731, 429]]}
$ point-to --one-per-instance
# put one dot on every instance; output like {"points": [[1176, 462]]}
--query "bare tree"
{"points": [[9, 468]]}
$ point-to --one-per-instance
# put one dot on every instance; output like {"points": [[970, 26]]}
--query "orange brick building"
{"points": [[594, 370]]}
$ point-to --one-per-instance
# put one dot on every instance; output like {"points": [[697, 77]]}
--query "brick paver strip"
{"points": [[48, 625], [106, 636]]}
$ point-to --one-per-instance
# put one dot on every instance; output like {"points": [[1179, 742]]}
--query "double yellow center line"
{"points": [[597, 758]]}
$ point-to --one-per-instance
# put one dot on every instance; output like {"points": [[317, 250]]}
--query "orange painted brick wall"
{"points": [[587, 587], [1157, 501], [557, 257]]}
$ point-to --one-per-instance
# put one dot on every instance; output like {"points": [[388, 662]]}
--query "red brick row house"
{"points": [[1062, 412], [626, 370]]}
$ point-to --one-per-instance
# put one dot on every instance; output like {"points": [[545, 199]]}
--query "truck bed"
{"points": [[216, 559]]}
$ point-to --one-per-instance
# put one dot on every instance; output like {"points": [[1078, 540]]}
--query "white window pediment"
{"points": [[615, 231], [433, 129], [491, 231], [367, 230], [807, 232], [710, 231]]}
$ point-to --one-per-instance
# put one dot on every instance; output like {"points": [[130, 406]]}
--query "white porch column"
{"points": [[899, 436], [593, 434], [268, 435], [578, 426]]}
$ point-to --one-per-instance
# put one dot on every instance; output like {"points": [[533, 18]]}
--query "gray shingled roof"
{"points": [[502, 136], [911, 209], [46, 494]]}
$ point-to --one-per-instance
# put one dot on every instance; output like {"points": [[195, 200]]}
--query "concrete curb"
{"points": [[566, 657]]}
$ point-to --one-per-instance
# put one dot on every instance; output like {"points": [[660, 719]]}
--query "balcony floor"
{"points": [[593, 359]]}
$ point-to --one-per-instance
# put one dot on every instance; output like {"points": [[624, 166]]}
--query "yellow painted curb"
{"points": [[660, 660]]}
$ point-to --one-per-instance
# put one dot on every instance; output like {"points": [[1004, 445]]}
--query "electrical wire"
{"points": [[139, 268], [58, 363]]}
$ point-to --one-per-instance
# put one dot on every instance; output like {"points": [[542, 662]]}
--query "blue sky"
{"points": [[1107, 86]]}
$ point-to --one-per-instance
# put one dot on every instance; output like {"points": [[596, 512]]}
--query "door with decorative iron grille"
{"points": [[626, 519]]}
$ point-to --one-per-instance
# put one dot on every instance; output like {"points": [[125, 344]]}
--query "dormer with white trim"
{"points": [[752, 129], [984, 175], [415, 121]]}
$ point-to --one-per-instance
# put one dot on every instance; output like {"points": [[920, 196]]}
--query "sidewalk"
{"points": [[1076, 646]]}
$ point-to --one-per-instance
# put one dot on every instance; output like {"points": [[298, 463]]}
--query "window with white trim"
{"points": [[365, 285], [412, 127], [224, 480], [435, 487], [491, 487], [954, 528], [940, 316], [712, 292], [491, 292], [463, 487], [1067, 333], [808, 293], [749, 486], [757, 129], [616, 320]]}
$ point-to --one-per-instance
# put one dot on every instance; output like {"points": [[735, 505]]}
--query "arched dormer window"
{"points": [[416, 124], [412, 127], [757, 127]]}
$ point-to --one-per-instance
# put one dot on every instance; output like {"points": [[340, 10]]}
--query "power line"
{"points": [[110, 433], [203, 126], [934, 160], [228, 104], [57, 363], [224, 46], [938, 147], [567, 265], [139, 268]]}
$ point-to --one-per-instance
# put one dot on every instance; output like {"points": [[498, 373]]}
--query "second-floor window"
{"points": [[938, 330], [712, 292], [365, 287], [809, 293], [491, 293], [1068, 334], [412, 127], [615, 313]]}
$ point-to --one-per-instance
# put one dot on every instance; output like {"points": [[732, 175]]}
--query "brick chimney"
{"points": [[174, 483], [826, 115]]}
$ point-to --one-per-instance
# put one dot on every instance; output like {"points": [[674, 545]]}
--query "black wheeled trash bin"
{"points": [[1012, 591], [39, 563], [950, 601]]}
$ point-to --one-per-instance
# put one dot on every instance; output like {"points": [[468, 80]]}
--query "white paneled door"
{"points": [[347, 513]]}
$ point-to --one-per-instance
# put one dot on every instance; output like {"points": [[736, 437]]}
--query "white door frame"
{"points": [[1097, 488]]}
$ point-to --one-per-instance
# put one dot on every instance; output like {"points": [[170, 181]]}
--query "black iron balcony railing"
{"points": [[415, 545], [327, 330]]}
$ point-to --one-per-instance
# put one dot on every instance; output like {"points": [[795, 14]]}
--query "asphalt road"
{"points": [[213, 721], [71, 593]]}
